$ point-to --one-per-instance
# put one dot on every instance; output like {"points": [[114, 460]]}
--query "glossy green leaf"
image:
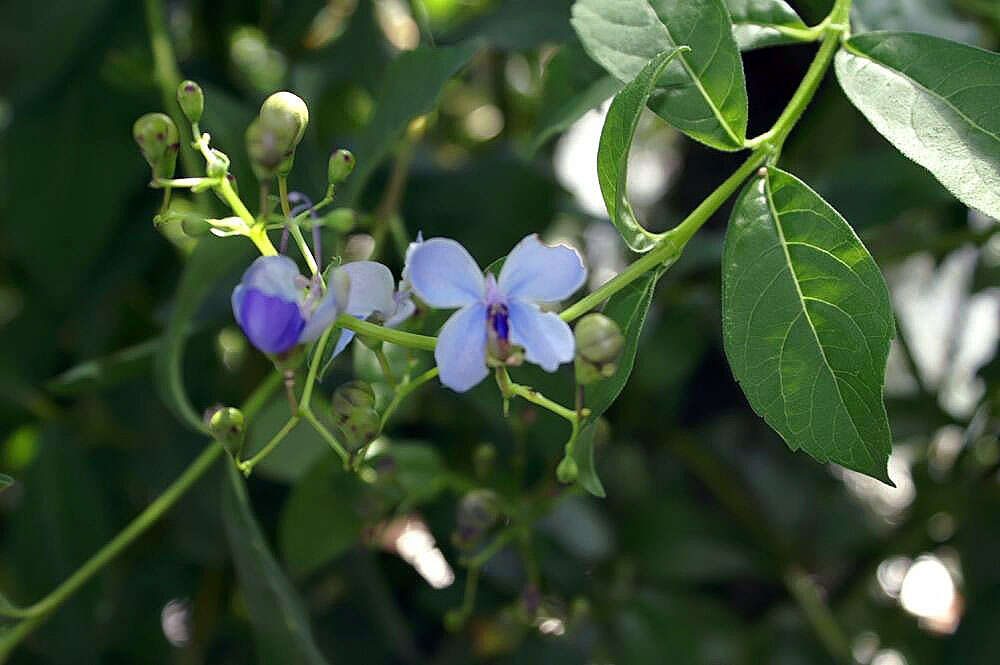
{"points": [[616, 141], [702, 93], [941, 18], [936, 101], [5, 482], [760, 23], [573, 85], [281, 624], [211, 260], [410, 88], [807, 323], [320, 520], [627, 308]]}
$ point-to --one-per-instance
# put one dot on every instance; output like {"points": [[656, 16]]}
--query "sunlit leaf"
{"points": [[702, 93], [616, 141], [759, 23], [936, 102], [807, 324], [281, 624]]}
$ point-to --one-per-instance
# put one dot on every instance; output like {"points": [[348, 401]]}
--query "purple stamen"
{"points": [[497, 317]]}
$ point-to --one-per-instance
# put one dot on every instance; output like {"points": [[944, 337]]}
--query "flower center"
{"points": [[496, 317]]}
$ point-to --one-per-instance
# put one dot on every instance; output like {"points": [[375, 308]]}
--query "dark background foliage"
{"points": [[710, 522]]}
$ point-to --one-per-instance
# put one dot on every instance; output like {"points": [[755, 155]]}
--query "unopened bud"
{"points": [[483, 459], [159, 143], [339, 219], [567, 470], [340, 166], [226, 424], [191, 100], [599, 344], [353, 409], [274, 135], [478, 511]]}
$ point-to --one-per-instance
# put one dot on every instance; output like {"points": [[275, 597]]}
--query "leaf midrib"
{"points": [[805, 313]]}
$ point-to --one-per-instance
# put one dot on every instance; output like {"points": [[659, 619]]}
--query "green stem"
{"points": [[383, 363], [397, 337], [673, 242], [286, 209], [404, 391], [330, 439], [541, 400], [248, 466], [809, 597], [317, 358], [41, 610]]}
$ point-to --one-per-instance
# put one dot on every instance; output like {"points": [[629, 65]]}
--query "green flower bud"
{"points": [[227, 426], [353, 408], [340, 219], [191, 99], [567, 470], [599, 344], [340, 166], [274, 135], [159, 142]]}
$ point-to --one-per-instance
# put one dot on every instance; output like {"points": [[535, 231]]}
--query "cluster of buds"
{"points": [[353, 409]]}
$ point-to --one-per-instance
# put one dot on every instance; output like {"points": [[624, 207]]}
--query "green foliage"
{"points": [[760, 23], [281, 624], [703, 93], [807, 323], [908, 87], [616, 140]]}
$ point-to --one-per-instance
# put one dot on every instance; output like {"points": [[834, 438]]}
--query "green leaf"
{"points": [[807, 324], [573, 85], [940, 18], [583, 455], [5, 482], [702, 93], [410, 88], [627, 308], [281, 625], [935, 101], [760, 23], [109, 370], [211, 260], [612, 153], [320, 520]]}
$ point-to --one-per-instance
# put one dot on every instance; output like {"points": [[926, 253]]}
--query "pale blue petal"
{"points": [[444, 275], [461, 348], [536, 272], [405, 308], [371, 289], [322, 317], [547, 340], [345, 338], [274, 276]]}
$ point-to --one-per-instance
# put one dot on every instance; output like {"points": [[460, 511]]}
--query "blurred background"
{"points": [[714, 541]]}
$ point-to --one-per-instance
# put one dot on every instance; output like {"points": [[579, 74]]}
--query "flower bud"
{"points": [[359, 247], [340, 166], [599, 344], [191, 100], [567, 471], [226, 424], [159, 142], [483, 459], [274, 135], [339, 219], [478, 511], [353, 408]]}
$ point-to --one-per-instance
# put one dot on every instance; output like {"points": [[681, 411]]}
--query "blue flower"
{"points": [[278, 308], [501, 313]]}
